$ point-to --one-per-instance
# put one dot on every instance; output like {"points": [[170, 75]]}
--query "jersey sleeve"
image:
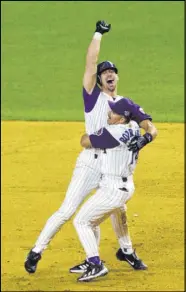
{"points": [[90, 99], [112, 136], [136, 112], [104, 139]]}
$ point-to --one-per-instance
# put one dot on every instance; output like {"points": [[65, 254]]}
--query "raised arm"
{"points": [[89, 79]]}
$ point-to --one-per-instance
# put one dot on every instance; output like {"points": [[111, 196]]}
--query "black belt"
{"points": [[124, 179], [96, 155]]}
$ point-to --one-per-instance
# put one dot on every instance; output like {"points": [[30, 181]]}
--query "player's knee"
{"points": [[76, 222], [80, 221], [66, 213]]}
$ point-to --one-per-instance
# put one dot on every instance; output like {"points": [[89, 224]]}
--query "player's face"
{"points": [[109, 80], [114, 119]]}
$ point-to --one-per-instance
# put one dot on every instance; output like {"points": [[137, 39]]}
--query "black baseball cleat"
{"points": [[132, 259], [80, 268], [32, 261], [92, 272]]}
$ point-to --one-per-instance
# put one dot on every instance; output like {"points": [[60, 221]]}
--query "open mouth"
{"points": [[110, 81]]}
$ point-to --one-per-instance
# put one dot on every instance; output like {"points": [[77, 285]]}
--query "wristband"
{"points": [[97, 36], [148, 137]]}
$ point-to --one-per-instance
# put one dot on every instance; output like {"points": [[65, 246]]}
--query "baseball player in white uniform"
{"points": [[99, 86], [116, 186]]}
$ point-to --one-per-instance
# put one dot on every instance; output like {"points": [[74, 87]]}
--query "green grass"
{"points": [[43, 56]]}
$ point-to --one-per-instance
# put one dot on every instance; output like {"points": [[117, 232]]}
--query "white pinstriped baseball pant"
{"points": [[107, 200], [83, 181]]}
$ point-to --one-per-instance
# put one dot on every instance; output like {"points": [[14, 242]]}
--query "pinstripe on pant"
{"points": [[106, 201], [83, 181]]}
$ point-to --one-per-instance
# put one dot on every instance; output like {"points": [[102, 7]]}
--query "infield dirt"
{"points": [[37, 164]]}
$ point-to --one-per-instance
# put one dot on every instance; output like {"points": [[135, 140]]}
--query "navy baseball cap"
{"points": [[120, 107], [105, 66]]}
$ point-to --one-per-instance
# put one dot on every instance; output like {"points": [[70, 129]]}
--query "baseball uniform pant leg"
{"points": [[119, 220], [83, 181], [95, 210], [120, 226]]}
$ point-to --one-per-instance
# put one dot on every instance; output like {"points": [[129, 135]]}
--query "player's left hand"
{"points": [[137, 143]]}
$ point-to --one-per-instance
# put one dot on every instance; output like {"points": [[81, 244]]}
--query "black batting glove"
{"points": [[137, 143], [102, 27]]}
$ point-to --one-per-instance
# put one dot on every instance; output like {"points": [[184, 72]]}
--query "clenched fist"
{"points": [[102, 27]]}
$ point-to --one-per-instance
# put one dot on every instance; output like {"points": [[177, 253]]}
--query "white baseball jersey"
{"points": [[96, 114], [116, 186], [117, 161], [96, 109]]}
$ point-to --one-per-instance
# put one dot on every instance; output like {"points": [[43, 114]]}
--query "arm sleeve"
{"points": [[136, 112], [90, 99], [104, 139]]}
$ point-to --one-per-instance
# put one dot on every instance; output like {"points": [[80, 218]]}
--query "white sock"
{"points": [[36, 249]]}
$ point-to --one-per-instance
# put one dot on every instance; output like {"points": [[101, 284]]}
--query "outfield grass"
{"points": [[43, 56]]}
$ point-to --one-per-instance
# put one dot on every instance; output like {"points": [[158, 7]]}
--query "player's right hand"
{"points": [[102, 27], [137, 143]]}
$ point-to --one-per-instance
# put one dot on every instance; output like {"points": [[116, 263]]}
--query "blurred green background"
{"points": [[44, 46]]}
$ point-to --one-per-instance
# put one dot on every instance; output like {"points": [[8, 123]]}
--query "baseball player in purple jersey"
{"points": [[99, 87], [116, 186]]}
